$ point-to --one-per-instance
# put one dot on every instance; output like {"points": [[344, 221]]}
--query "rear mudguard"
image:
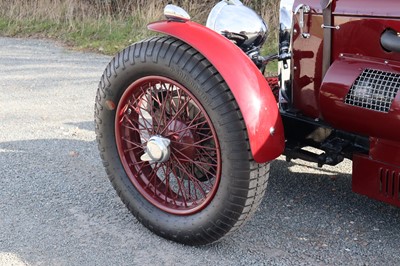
{"points": [[248, 85]]}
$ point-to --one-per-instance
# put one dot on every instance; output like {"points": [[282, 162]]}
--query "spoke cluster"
{"points": [[189, 178]]}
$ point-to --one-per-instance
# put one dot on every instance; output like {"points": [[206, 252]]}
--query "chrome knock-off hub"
{"points": [[157, 150]]}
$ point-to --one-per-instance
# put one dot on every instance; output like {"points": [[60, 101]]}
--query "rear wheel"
{"points": [[174, 144]]}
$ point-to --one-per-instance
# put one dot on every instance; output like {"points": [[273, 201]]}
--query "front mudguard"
{"points": [[248, 85]]}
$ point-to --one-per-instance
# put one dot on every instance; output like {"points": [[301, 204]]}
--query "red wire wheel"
{"points": [[174, 144], [185, 178]]}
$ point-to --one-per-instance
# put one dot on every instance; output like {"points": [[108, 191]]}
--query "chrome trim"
{"points": [[176, 13], [272, 131], [157, 150], [238, 23], [325, 3], [374, 90], [330, 27], [286, 15], [285, 50], [302, 9], [305, 8]]}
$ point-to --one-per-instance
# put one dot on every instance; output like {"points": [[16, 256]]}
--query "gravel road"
{"points": [[58, 208]]}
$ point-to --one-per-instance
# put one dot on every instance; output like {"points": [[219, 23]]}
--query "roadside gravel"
{"points": [[58, 208]]}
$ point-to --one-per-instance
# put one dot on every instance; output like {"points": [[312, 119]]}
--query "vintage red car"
{"points": [[187, 122]]}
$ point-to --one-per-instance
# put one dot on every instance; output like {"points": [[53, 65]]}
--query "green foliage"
{"points": [[107, 26]]}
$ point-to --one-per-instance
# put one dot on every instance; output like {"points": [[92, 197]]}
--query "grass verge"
{"points": [[96, 28], [104, 36]]}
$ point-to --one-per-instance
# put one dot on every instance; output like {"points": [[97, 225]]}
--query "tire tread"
{"points": [[251, 179]]}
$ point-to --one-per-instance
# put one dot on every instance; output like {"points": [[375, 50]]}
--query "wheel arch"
{"points": [[249, 87]]}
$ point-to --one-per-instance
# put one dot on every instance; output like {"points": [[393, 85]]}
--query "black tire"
{"points": [[240, 184]]}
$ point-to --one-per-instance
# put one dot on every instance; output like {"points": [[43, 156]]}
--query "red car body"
{"points": [[355, 46], [187, 123]]}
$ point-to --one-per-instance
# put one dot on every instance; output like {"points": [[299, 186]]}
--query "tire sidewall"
{"points": [[155, 219]]}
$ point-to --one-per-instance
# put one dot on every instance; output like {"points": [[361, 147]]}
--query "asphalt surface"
{"points": [[57, 206]]}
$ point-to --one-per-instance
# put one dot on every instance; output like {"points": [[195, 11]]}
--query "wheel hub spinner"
{"points": [[157, 150]]}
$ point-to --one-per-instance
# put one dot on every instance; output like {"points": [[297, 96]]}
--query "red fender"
{"points": [[248, 85]]}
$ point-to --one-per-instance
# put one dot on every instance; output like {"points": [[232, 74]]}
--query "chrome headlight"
{"points": [[238, 23]]}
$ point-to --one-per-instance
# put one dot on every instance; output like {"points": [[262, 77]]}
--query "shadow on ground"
{"points": [[58, 208]]}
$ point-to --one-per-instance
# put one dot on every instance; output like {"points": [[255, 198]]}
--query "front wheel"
{"points": [[174, 145]]}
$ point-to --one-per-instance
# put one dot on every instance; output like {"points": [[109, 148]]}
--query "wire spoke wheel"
{"points": [[159, 107], [172, 139]]}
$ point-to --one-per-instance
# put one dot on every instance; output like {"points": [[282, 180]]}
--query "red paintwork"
{"points": [[362, 37], [149, 182], [334, 89], [375, 179], [248, 85], [375, 8], [361, 24], [273, 83], [364, 8], [307, 55], [355, 46], [385, 151]]}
